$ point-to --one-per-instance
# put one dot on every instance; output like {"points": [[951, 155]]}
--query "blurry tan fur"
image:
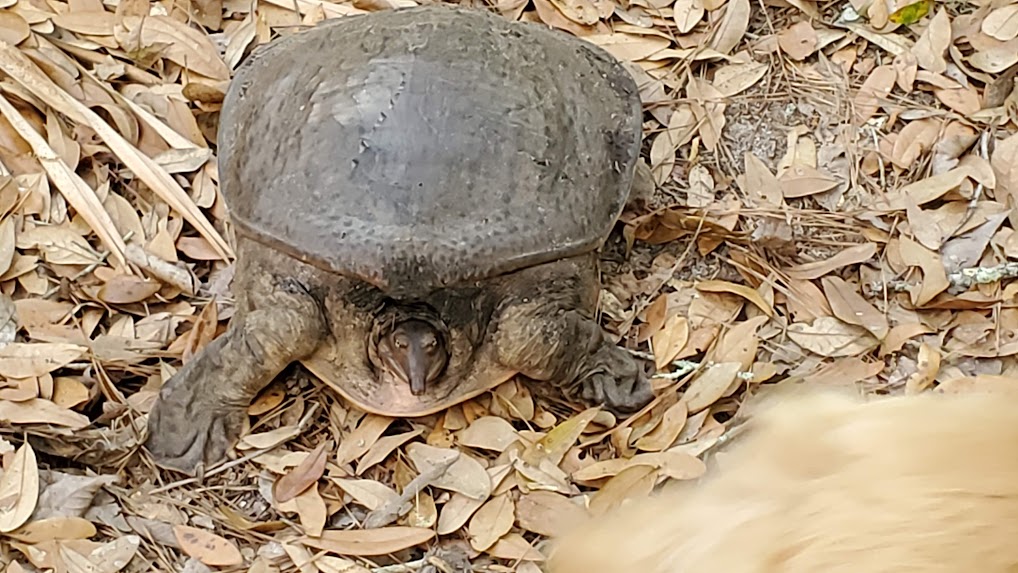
{"points": [[825, 482]]}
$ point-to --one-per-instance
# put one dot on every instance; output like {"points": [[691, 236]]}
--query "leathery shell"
{"points": [[418, 148]]}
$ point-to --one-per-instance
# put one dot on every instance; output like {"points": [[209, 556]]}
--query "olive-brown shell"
{"points": [[418, 148]]}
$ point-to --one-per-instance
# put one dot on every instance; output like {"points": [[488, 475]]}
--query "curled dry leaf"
{"points": [[128, 289], [360, 440], [674, 464], [513, 547], [554, 445], [207, 547], [369, 542], [493, 520], [1001, 23], [803, 181], [927, 368], [19, 489], [382, 448], [798, 40], [934, 276]]}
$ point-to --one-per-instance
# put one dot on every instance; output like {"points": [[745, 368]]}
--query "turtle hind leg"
{"points": [[200, 411], [547, 342]]}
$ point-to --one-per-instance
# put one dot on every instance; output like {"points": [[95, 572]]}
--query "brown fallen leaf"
{"points": [[929, 49], [710, 385], [830, 337], [456, 512], [493, 520], [207, 547], [752, 295], [927, 368], [853, 255], [665, 434], [934, 276], [633, 482], [369, 542], [849, 306], [798, 41], [513, 547], [466, 475], [19, 489], [54, 528], [360, 440], [669, 341], [303, 476], [873, 92], [732, 27], [548, 513], [39, 411], [489, 433]]}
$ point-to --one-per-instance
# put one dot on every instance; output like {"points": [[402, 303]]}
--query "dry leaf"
{"points": [[849, 306], [489, 433], [929, 49], [303, 476], [687, 14], [732, 27], [744, 291], [466, 475], [548, 513], [207, 547], [798, 41], [19, 489], [830, 337], [853, 255], [370, 542], [491, 522], [711, 385], [1001, 23], [670, 340], [874, 92]]}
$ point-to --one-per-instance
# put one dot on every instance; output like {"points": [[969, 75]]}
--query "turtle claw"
{"points": [[188, 433], [620, 384]]}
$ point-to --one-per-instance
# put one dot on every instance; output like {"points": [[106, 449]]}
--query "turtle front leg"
{"points": [[201, 410], [547, 342]]}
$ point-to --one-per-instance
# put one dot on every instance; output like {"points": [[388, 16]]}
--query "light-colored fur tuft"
{"points": [[831, 483]]}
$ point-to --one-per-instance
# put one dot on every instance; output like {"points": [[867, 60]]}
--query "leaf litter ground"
{"points": [[827, 196]]}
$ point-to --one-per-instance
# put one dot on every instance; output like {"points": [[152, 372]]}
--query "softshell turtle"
{"points": [[419, 196]]}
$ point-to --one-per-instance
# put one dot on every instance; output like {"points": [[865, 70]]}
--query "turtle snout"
{"points": [[415, 352]]}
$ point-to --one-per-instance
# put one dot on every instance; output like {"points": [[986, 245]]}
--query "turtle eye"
{"points": [[400, 341]]}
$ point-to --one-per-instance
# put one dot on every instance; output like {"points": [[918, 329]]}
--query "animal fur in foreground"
{"points": [[828, 482]]}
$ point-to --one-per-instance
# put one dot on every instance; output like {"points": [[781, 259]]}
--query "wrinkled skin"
{"points": [[538, 322]]}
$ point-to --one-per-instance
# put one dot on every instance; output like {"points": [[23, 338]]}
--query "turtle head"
{"points": [[415, 351]]}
